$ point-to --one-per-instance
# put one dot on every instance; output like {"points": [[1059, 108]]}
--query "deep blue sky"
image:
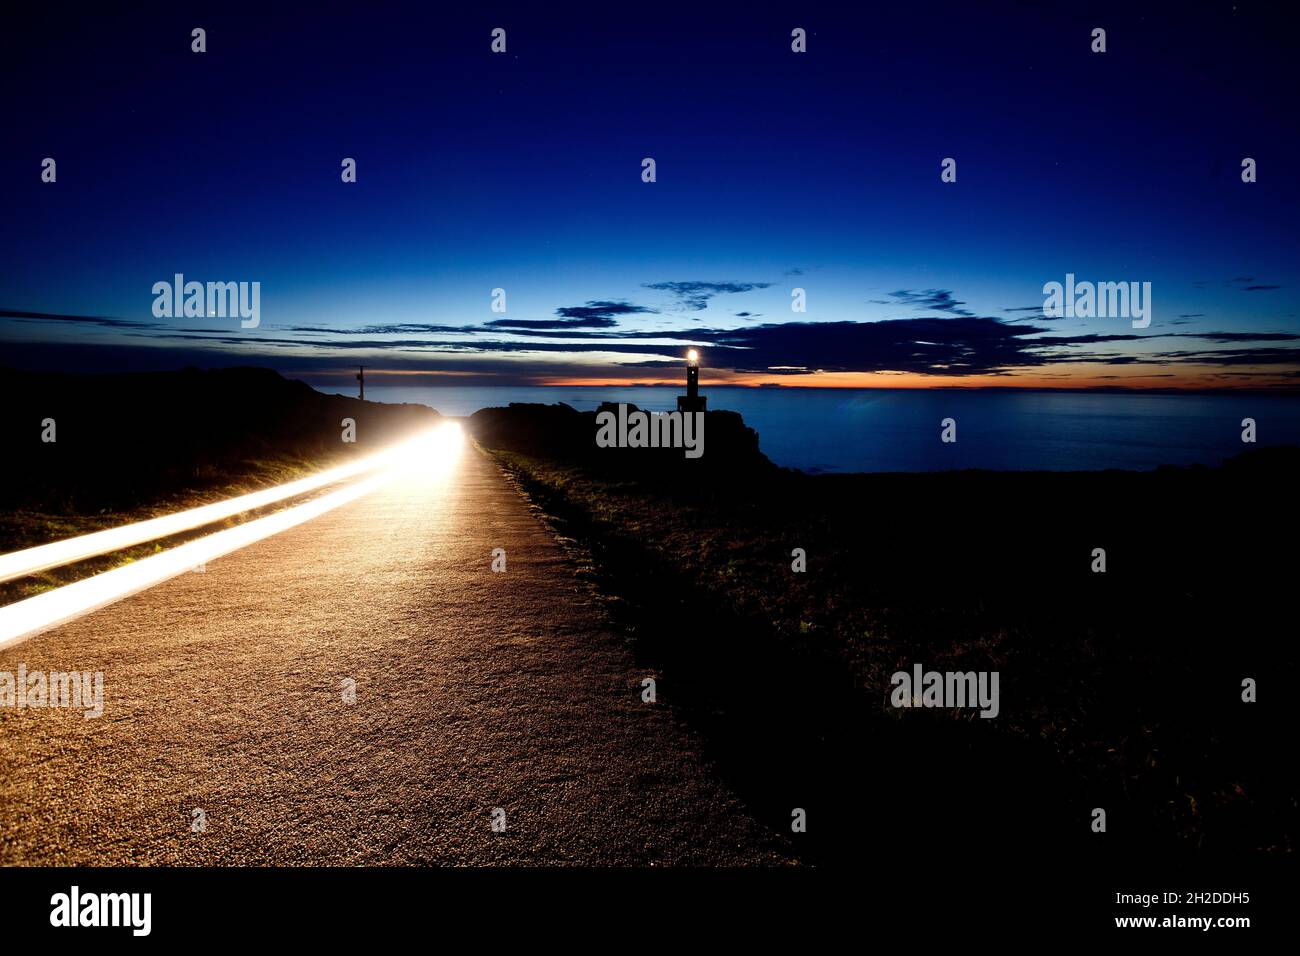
{"points": [[775, 170]]}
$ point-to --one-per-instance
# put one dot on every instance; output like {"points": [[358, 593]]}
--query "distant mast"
{"points": [[361, 381], [692, 401]]}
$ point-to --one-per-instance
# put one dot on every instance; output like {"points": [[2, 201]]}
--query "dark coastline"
{"points": [[1121, 690]]}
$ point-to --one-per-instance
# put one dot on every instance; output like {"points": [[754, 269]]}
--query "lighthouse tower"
{"points": [[692, 401]]}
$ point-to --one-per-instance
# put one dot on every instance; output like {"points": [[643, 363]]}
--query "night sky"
{"points": [[775, 170]]}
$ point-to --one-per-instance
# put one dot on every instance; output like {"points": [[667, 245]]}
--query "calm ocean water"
{"points": [[821, 430]]}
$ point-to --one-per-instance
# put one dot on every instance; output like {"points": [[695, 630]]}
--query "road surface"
{"points": [[224, 692]]}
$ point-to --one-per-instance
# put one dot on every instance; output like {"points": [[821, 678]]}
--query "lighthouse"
{"points": [[692, 401]]}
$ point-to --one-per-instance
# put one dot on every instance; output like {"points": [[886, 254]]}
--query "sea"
{"points": [[854, 430]]}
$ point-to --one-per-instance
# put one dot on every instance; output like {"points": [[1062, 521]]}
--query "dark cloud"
{"points": [[1244, 283], [1035, 316], [950, 346], [1092, 338], [101, 320], [955, 346], [1034, 313], [695, 295], [601, 310], [333, 370], [590, 322], [593, 342], [1248, 284], [1234, 357], [1226, 337], [939, 300], [403, 328]]}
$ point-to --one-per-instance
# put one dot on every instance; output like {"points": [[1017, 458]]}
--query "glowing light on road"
{"points": [[430, 456], [32, 560], [434, 454]]}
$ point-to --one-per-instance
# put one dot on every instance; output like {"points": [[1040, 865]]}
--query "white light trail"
{"points": [[33, 560], [431, 455]]}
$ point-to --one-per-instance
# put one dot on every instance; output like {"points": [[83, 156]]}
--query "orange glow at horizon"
{"points": [[1083, 376], [1078, 376]]}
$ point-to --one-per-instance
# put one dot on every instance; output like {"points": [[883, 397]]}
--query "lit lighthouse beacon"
{"points": [[692, 401]]}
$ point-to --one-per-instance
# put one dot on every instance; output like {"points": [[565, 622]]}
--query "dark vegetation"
{"points": [[1120, 690], [134, 446]]}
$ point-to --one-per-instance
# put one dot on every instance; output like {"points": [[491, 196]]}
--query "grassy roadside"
{"points": [[26, 528], [1118, 690], [99, 451]]}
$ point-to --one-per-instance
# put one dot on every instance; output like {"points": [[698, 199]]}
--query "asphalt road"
{"points": [[224, 692]]}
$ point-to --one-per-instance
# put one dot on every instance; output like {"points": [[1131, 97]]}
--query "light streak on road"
{"points": [[431, 456], [33, 560]]}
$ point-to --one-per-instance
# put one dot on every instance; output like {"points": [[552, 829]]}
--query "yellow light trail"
{"points": [[33, 560], [432, 455]]}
